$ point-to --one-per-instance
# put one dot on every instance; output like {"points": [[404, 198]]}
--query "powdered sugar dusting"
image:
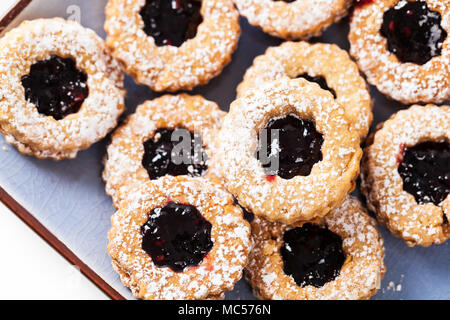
{"points": [[293, 59], [169, 68], [359, 277], [220, 269], [301, 197], [405, 82], [383, 186], [300, 19], [123, 165]]}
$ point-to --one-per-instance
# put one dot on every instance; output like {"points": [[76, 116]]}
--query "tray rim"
{"points": [[29, 219]]}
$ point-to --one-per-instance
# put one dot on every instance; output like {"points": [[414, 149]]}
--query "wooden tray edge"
{"points": [[60, 247], [12, 13]]}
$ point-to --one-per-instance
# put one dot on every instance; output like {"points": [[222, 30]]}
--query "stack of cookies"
{"points": [[204, 197], [290, 154]]}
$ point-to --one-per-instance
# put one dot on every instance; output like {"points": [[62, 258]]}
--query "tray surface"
{"points": [[68, 197]]}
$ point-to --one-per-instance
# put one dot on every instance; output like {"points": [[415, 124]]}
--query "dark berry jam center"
{"points": [[312, 255], [171, 22], [174, 152], [425, 171], [320, 81], [176, 236], [289, 147], [56, 87], [413, 31]]}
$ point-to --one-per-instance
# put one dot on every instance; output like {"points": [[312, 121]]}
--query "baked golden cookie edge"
{"points": [[300, 198], [292, 59], [301, 19], [407, 83], [416, 224], [123, 163], [169, 68], [360, 275], [220, 269], [43, 136]]}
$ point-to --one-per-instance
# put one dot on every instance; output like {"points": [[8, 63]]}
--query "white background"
{"points": [[29, 267], [5, 5]]}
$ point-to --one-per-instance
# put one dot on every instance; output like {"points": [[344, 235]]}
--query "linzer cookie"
{"points": [[337, 258], [403, 48], [172, 45], [61, 90], [287, 151], [406, 173], [293, 19], [179, 238], [171, 135], [325, 64]]}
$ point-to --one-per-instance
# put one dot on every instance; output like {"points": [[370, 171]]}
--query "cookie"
{"points": [[61, 90], [337, 258], [403, 48], [172, 48], [310, 163], [179, 238], [405, 174], [145, 147], [325, 64], [293, 19], [128, 281]]}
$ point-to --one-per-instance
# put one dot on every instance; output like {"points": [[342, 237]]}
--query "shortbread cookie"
{"points": [[60, 89], [172, 45], [293, 19], [403, 47], [307, 170], [325, 64], [143, 148], [179, 238], [406, 173], [337, 258], [130, 283]]}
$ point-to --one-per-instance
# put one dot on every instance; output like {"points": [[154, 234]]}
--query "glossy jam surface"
{"points": [[171, 22], [56, 87], [312, 255], [176, 236], [425, 171], [413, 32], [320, 81], [164, 154], [293, 147]]}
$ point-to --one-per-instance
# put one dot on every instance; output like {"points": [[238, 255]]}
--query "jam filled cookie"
{"points": [[406, 174], [172, 45], [403, 48], [325, 64], [339, 257], [287, 151], [293, 19], [179, 238], [61, 90], [171, 135]]}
